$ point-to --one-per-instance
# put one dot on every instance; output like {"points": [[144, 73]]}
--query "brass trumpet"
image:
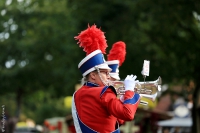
{"points": [[148, 89]]}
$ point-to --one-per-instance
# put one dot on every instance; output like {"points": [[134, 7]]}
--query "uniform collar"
{"points": [[91, 84]]}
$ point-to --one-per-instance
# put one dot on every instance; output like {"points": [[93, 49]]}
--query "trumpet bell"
{"points": [[147, 89]]}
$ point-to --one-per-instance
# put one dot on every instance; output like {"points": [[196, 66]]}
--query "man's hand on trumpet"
{"points": [[129, 85], [130, 82]]}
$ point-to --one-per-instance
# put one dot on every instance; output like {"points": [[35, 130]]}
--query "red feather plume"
{"points": [[92, 39], [117, 52]]}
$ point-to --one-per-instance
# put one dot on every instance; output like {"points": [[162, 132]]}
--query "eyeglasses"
{"points": [[105, 72]]}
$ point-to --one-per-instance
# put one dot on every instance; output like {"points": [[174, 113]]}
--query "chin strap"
{"points": [[83, 80], [106, 83]]}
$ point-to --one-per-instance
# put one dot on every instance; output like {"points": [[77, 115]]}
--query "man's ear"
{"points": [[93, 75]]}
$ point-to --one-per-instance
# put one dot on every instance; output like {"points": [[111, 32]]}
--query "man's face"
{"points": [[105, 76], [112, 79]]}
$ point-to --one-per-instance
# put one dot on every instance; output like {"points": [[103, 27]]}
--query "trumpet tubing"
{"points": [[148, 89], [153, 97]]}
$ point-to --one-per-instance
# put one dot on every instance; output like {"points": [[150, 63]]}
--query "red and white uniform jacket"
{"points": [[98, 110]]}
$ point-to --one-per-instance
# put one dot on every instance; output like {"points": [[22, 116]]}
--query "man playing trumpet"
{"points": [[95, 106]]}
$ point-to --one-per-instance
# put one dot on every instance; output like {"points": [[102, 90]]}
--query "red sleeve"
{"points": [[120, 121], [125, 110]]}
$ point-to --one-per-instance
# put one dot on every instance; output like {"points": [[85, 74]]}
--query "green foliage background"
{"points": [[39, 56]]}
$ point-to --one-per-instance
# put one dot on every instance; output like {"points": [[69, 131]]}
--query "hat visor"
{"points": [[104, 66], [101, 66], [115, 76]]}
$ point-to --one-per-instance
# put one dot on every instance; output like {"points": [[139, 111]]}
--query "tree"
{"points": [[36, 48], [160, 31]]}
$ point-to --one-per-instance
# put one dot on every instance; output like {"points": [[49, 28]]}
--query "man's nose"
{"points": [[108, 76]]}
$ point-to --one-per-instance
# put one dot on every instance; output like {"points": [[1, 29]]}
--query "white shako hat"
{"points": [[115, 58], [114, 65]]}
